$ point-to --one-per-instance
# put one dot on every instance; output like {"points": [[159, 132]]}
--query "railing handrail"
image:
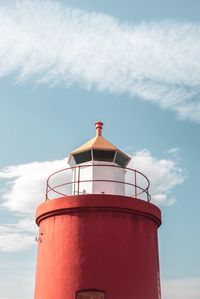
{"points": [[142, 190]]}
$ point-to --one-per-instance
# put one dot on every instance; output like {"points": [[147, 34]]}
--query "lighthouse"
{"points": [[98, 229]]}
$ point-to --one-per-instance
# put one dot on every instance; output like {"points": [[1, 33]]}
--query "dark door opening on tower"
{"points": [[90, 295]]}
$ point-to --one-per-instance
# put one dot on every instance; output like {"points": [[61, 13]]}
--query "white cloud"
{"points": [[17, 236], [164, 175], [47, 42], [173, 150], [24, 190], [184, 288], [26, 183]]}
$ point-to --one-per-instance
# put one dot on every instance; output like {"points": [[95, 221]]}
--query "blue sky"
{"points": [[135, 66]]}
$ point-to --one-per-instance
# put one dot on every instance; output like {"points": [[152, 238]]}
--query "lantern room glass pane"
{"points": [[101, 155], [121, 159], [82, 157], [90, 295]]}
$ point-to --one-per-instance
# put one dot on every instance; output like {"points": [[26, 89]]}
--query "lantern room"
{"points": [[98, 161], [98, 149], [98, 167]]}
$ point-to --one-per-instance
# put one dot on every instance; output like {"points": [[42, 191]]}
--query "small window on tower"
{"points": [[101, 155], [82, 157], [91, 295], [121, 160]]}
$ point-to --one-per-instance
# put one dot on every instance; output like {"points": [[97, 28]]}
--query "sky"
{"points": [[135, 65]]}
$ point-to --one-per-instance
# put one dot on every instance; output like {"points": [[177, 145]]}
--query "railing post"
{"points": [[74, 180], [78, 178], [46, 195], [148, 196], [135, 185]]}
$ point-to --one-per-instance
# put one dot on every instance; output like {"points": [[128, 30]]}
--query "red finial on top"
{"points": [[99, 126]]}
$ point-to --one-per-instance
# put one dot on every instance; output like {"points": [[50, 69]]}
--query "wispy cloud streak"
{"points": [[47, 42]]}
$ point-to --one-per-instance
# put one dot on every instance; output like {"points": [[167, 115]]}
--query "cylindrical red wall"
{"points": [[103, 242]]}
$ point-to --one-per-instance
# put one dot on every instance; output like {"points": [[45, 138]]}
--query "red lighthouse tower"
{"points": [[97, 229]]}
